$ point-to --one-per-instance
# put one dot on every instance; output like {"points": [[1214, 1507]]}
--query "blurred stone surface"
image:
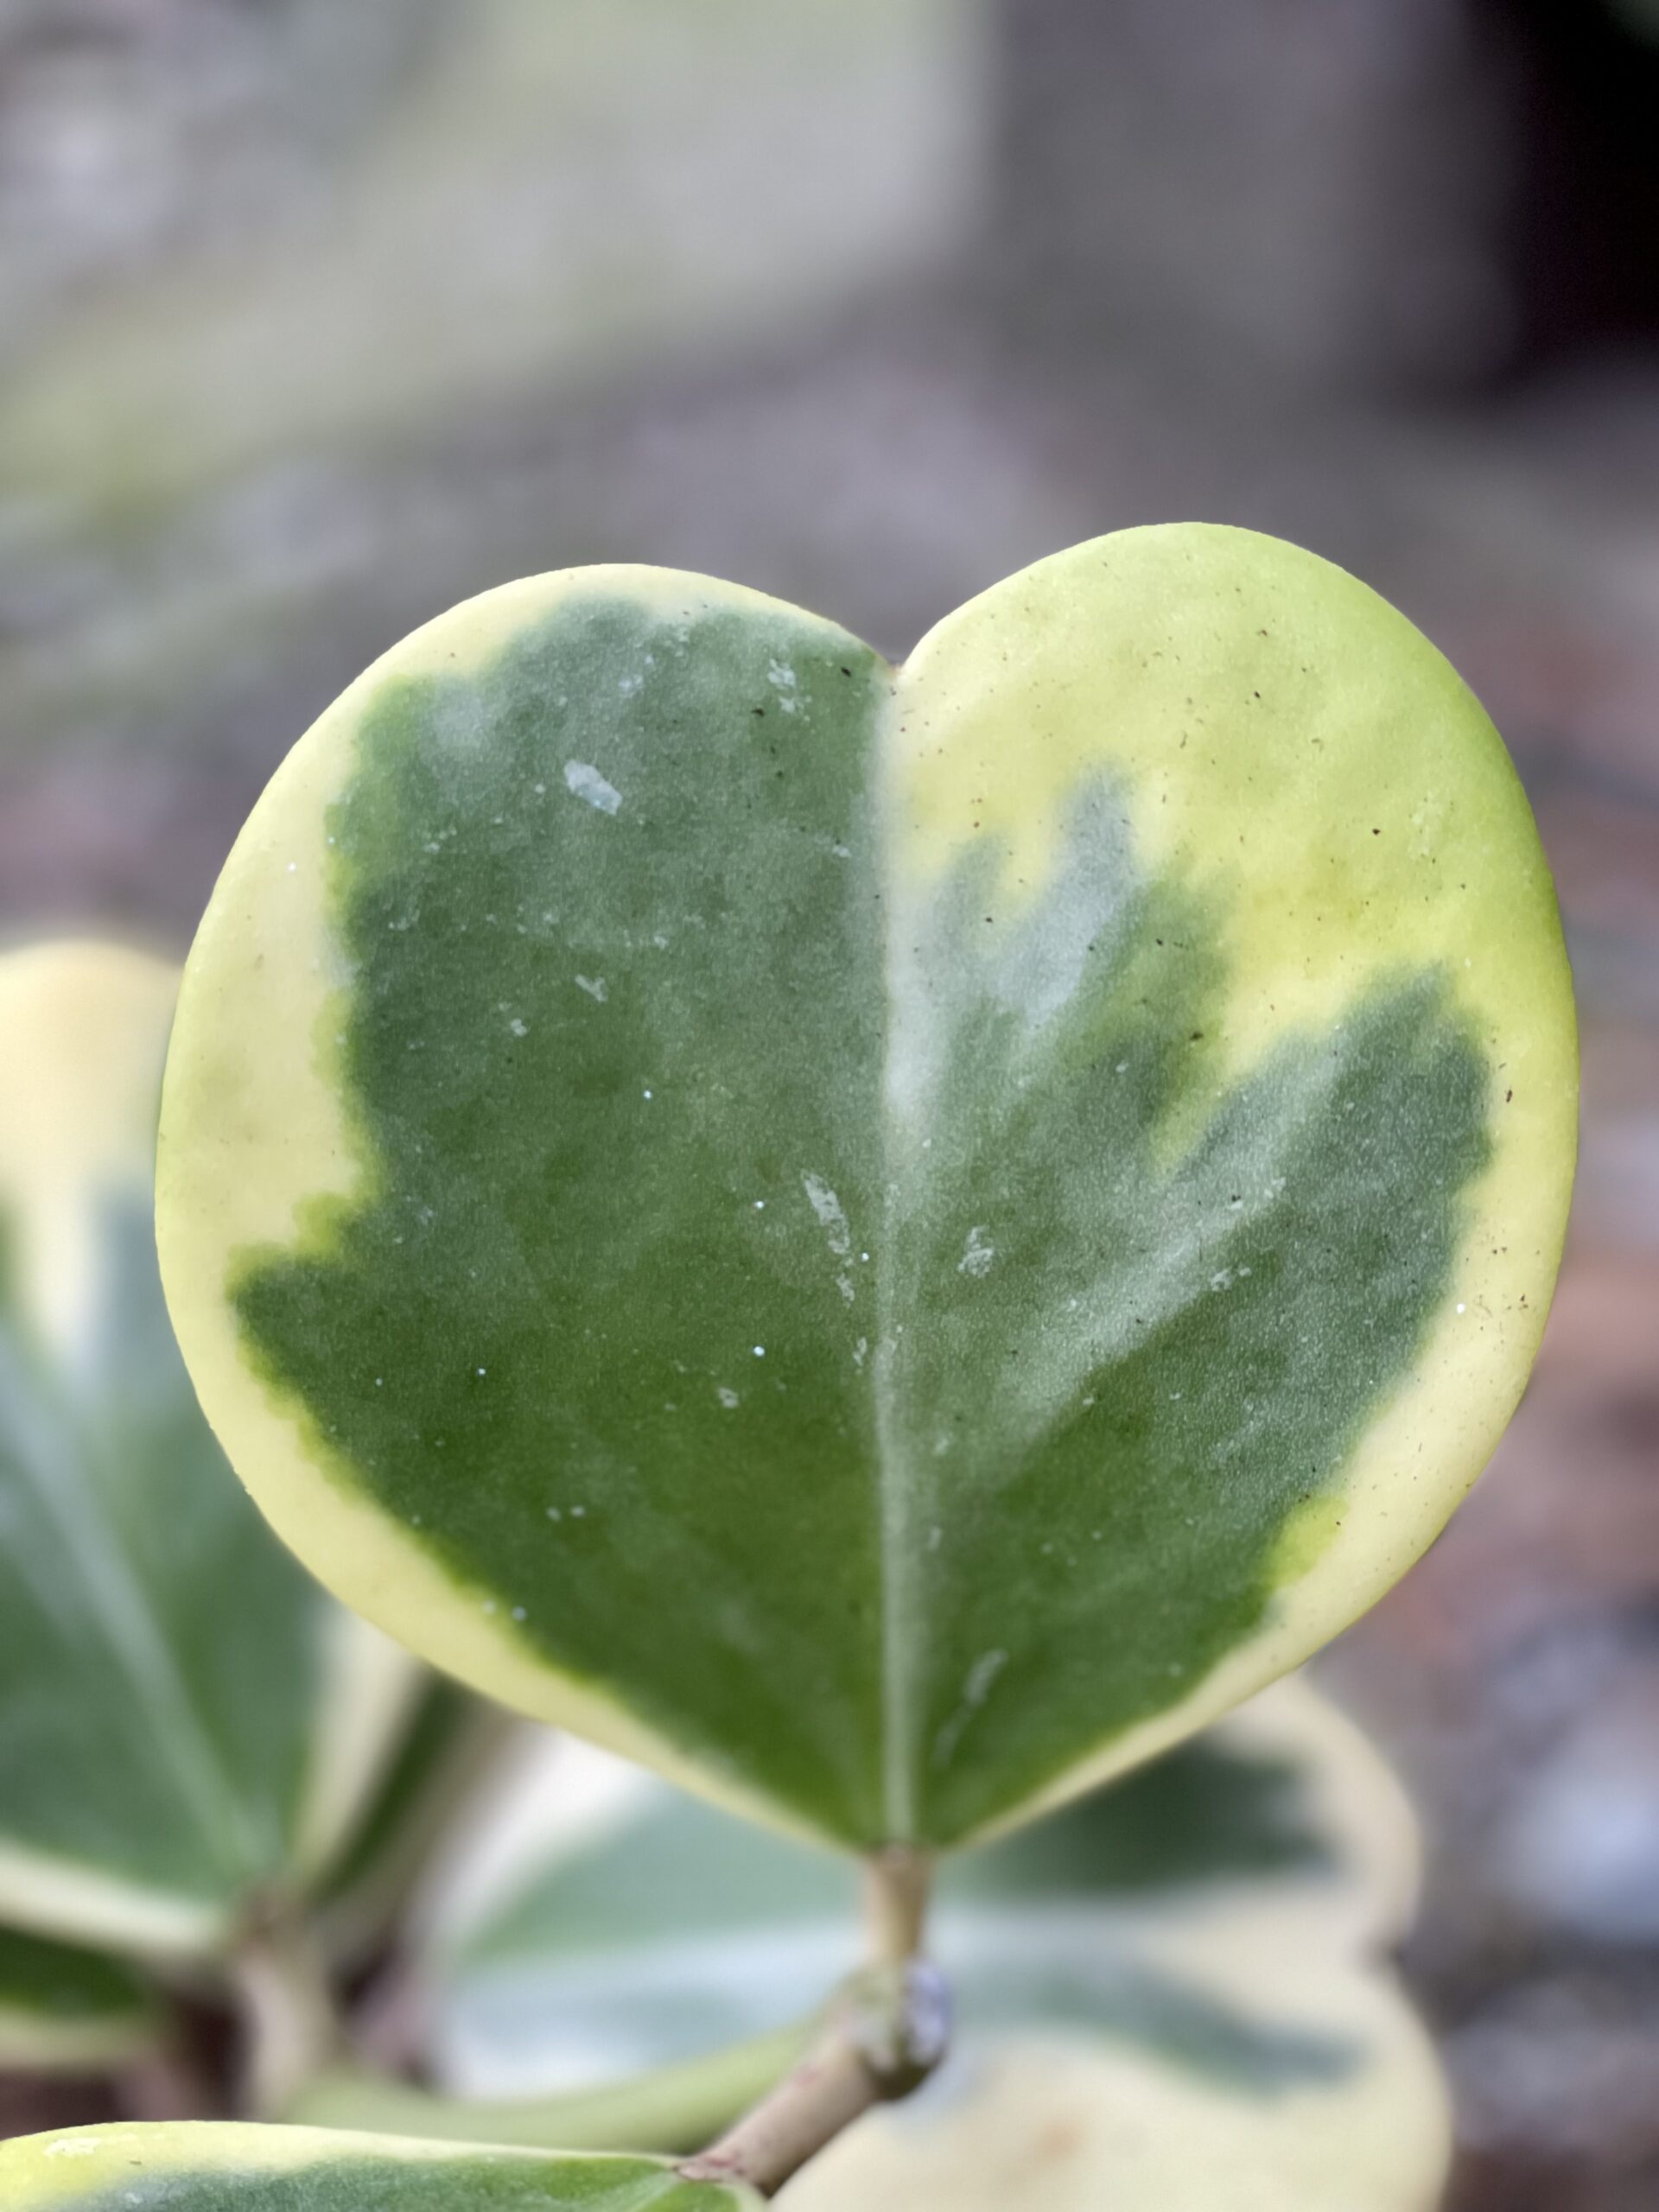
{"points": [[1313, 192]]}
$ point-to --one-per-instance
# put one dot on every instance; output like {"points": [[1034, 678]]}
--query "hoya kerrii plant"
{"points": [[599, 1934], [886, 1243]]}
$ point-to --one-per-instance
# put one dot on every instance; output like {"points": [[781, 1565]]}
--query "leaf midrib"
{"points": [[899, 1613]]}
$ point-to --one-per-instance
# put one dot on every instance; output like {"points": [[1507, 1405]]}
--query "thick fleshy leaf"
{"points": [[208, 2167], [1170, 1994], [64, 2010], [889, 1242], [185, 1718]]}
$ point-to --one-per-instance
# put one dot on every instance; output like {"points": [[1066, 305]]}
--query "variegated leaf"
{"points": [[185, 1719], [206, 2167], [889, 1241]]}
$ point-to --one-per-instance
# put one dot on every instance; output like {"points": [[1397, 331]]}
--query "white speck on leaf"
{"points": [[976, 1253], [519, 1026], [859, 1349], [595, 987], [832, 1218], [585, 780], [760, 1351], [975, 1691], [727, 1398]]}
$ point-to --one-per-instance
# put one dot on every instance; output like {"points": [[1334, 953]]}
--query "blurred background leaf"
{"points": [[1170, 1988], [66, 2010], [194, 1741]]}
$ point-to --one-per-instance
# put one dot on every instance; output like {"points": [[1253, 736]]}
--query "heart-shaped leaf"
{"points": [[887, 1242], [203, 2166], [67, 2010], [1200, 1940], [185, 1719]]}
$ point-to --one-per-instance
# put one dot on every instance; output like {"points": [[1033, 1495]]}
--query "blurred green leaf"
{"points": [[187, 1724]]}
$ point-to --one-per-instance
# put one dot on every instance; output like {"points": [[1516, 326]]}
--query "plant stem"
{"points": [[884, 2035], [666, 2110], [897, 1883], [290, 2024]]}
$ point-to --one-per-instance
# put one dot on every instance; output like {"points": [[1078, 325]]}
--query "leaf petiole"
{"points": [[664, 2110], [885, 2031]]}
